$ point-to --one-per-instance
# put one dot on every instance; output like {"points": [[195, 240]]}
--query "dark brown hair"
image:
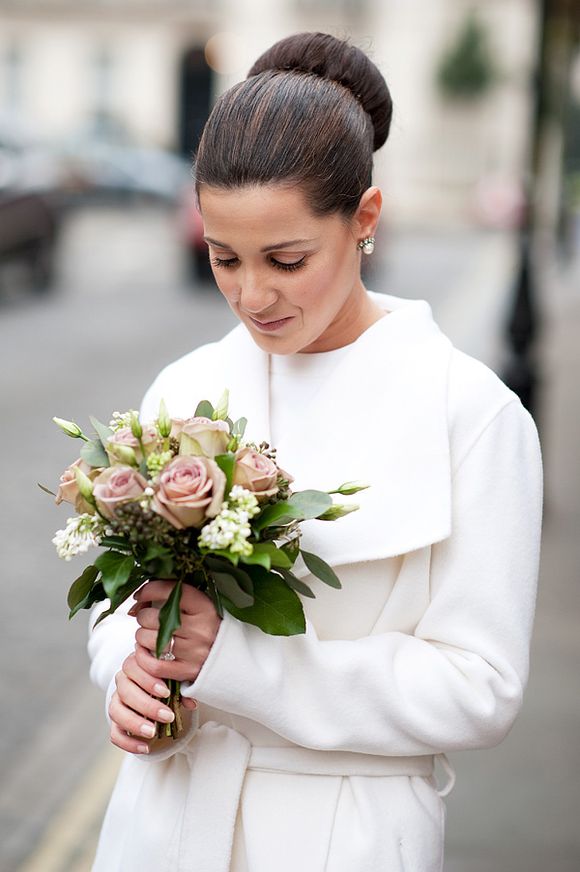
{"points": [[310, 113]]}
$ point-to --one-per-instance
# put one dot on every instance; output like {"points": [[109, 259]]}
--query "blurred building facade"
{"points": [[147, 71]]}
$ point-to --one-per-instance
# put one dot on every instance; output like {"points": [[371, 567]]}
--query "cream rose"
{"points": [[189, 490], [115, 486], [125, 437], [256, 472], [202, 437]]}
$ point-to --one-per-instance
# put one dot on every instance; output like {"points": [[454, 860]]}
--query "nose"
{"points": [[255, 295]]}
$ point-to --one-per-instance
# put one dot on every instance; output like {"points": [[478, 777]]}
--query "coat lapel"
{"points": [[381, 417]]}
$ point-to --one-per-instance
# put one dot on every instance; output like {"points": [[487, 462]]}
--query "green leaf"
{"points": [[292, 549], [226, 463], [215, 564], [277, 514], [81, 586], [169, 619], [45, 489], [267, 554], [121, 595], [228, 586], [103, 432], [277, 609], [233, 558], [321, 569], [116, 542], [94, 454], [309, 504], [221, 410], [204, 410], [95, 595], [115, 568], [239, 427], [295, 583]]}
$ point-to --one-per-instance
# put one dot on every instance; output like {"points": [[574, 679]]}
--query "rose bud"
{"points": [[202, 437], [115, 486]]}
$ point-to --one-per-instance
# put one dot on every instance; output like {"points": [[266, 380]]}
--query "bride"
{"points": [[316, 752]]}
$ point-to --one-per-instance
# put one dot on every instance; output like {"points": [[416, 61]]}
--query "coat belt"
{"points": [[219, 757]]}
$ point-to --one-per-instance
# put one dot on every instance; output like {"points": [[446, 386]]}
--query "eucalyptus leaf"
{"points": [[309, 504], [45, 489], [169, 619], [295, 583], [239, 427], [204, 410], [276, 514], [292, 549], [228, 586], [321, 569], [115, 569], [103, 432], [81, 586], [94, 454], [277, 609]]}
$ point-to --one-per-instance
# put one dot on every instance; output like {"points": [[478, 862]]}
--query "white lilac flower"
{"points": [[230, 530], [80, 533], [121, 420]]}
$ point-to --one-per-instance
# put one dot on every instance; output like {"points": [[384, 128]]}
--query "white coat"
{"points": [[315, 752]]}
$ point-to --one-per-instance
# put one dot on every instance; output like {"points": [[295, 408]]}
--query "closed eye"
{"points": [[232, 261]]}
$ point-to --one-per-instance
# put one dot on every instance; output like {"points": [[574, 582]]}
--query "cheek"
{"points": [[227, 284]]}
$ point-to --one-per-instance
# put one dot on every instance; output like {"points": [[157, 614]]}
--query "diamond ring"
{"points": [[169, 655]]}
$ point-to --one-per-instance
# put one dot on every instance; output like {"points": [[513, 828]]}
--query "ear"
{"points": [[366, 217]]}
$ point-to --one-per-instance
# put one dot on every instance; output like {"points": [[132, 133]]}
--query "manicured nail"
{"points": [[161, 690], [165, 715], [143, 749], [147, 730]]}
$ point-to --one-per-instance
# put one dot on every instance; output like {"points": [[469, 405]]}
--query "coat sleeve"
{"points": [[457, 682]]}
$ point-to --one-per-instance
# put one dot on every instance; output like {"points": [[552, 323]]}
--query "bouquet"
{"points": [[191, 501]]}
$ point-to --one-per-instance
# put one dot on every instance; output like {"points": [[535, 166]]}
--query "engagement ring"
{"points": [[169, 655]]}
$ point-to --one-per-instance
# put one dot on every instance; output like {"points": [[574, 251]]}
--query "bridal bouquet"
{"points": [[190, 500]]}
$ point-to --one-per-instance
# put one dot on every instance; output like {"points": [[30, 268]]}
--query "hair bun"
{"points": [[334, 59]]}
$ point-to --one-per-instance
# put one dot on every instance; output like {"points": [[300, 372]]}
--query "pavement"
{"points": [[515, 807]]}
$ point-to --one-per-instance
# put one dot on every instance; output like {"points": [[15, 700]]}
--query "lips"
{"points": [[271, 326]]}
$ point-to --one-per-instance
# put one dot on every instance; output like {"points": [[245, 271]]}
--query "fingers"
{"points": [[149, 683], [176, 669], [133, 697], [193, 601], [127, 743]]}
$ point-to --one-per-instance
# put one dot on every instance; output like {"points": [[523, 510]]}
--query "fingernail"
{"points": [[143, 749], [147, 730], [161, 690], [165, 715]]}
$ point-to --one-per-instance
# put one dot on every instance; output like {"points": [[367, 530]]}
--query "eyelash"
{"points": [[287, 267]]}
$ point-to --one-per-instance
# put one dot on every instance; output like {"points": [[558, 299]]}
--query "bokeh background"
{"points": [[104, 279]]}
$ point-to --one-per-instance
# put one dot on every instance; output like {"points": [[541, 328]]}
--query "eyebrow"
{"points": [[274, 247]]}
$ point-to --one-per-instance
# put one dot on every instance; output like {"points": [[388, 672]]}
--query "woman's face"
{"points": [[293, 278]]}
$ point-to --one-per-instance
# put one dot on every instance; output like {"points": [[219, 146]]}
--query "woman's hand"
{"points": [[133, 707], [192, 640]]}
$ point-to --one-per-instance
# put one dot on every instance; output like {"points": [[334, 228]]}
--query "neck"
{"points": [[356, 316]]}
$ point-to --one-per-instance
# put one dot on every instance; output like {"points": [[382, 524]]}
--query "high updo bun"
{"points": [[333, 59], [311, 112]]}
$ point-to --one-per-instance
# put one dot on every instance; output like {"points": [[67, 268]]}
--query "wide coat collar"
{"points": [[381, 417]]}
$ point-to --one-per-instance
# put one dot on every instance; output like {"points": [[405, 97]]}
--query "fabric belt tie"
{"points": [[219, 757]]}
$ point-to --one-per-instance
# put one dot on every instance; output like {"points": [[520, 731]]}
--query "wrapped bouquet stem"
{"points": [[190, 501]]}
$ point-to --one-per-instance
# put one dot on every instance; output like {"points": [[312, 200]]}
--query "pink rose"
{"points": [[115, 486], [124, 436], [256, 472], [189, 490], [68, 489], [203, 437]]}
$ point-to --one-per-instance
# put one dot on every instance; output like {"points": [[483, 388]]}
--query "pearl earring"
{"points": [[367, 244]]}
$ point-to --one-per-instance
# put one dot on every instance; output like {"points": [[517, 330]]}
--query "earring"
{"points": [[367, 244]]}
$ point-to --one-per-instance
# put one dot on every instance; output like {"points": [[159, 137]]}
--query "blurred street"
{"points": [[122, 307]]}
